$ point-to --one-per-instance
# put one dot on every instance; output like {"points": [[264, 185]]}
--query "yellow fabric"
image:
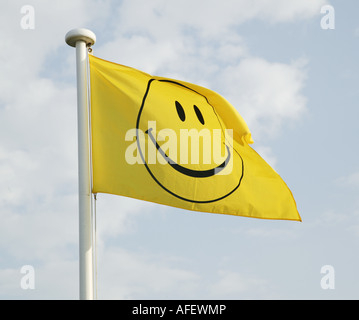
{"points": [[142, 147]]}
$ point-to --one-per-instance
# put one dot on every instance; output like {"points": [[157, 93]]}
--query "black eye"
{"points": [[180, 111], [199, 114]]}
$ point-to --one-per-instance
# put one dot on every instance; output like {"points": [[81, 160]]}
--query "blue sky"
{"points": [[293, 82]]}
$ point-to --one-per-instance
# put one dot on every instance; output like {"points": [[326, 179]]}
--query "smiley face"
{"points": [[197, 161]]}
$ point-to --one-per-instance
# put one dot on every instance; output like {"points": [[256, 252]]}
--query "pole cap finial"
{"points": [[79, 34]]}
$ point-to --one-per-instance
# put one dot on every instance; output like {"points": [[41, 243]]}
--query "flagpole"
{"points": [[81, 39]]}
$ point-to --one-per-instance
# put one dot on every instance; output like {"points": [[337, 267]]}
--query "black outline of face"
{"points": [[182, 117]]}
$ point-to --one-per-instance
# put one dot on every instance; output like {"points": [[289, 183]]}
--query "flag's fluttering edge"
{"points": [[178, 144]]}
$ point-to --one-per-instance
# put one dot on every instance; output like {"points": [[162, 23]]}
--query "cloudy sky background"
{"points": [[295, 84]]}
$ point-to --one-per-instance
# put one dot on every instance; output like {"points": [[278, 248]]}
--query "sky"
{"points": [[290, 69]]}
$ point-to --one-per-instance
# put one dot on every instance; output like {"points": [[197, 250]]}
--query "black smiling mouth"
{"points": [[186, 171]]}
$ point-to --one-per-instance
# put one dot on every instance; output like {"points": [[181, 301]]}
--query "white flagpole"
{"points": [[82, 39]]}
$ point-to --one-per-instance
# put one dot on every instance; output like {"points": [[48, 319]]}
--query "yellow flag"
{"points": [[178, 144]]}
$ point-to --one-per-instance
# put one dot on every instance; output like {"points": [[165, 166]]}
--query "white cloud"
{"points": [[55, 279], [233, 285], [124, 275], [350, 180], [10, 283], [284, 11], [265, 94], [116, 215], [267, 154], [258, 232], [165, 19], [39, 172]]}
